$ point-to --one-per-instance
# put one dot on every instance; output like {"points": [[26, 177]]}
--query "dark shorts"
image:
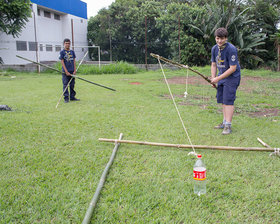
{"points": [[226, 92]]}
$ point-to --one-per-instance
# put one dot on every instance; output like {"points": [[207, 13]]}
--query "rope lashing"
{"points": [[179, 115], [276, 152]]}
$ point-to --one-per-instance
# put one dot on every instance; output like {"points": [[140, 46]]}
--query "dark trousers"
{"points": [[65, 80]]}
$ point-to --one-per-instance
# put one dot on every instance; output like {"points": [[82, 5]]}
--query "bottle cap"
{"points": [[199, 156]]}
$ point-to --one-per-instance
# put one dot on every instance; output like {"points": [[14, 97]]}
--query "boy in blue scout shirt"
{"points": [[68, 63], [224, 57]]}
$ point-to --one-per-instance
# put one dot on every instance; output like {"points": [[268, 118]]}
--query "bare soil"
{"points": [[244, 86], [135, 83]]}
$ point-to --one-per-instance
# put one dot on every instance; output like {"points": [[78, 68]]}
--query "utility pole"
{"points": [[72, 29], [36, 43], [110, 39], [146, 62], [179, 28], [278, 57]]}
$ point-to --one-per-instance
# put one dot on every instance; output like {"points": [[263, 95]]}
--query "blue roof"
{"points": [[73, 7]]}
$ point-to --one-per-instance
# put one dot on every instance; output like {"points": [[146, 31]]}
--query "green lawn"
{"points": [[51, 160]]}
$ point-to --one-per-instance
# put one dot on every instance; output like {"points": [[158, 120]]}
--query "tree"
{"points": [[14, 15], [250, 24], [276, 38], [124, 24]]}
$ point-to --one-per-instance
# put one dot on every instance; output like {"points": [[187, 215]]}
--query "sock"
{"points": [[228, 123], [224, 121]]}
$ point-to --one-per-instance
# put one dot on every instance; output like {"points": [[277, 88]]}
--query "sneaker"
{"points": [[75, 99], [227, 129], [220, 126], [66, 100]]}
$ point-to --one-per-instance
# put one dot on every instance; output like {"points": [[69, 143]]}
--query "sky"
{"points": [[93, 6]]}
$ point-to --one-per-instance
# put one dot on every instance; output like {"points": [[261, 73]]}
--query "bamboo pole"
{"points": [[94, 200], [70, 80], [229, 148], [263, 143], [74, 76], [183, 66]]}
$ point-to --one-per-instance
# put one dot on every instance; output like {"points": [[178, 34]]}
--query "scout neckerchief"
{"points": [[220, 49]]}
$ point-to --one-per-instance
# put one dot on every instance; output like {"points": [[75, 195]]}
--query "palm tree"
{"points": [[238, 23]]}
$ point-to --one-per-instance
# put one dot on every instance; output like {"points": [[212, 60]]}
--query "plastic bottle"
{"points": [[199, 176]]}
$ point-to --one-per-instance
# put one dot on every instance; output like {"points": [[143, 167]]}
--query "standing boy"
{"points": [[68, 63], [224, 57]]}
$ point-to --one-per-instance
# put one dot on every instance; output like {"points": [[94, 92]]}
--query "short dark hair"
{"points": [[66, 40], [221, 32]]}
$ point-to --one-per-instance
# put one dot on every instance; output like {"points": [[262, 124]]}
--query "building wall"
{"points": [[50, 32]]}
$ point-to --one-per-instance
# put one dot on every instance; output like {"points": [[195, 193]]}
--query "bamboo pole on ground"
{"points": [[94, 200], [229, 148], [276, 151]]}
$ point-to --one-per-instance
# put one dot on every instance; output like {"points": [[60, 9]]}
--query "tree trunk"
{"points": [[278, 58]]}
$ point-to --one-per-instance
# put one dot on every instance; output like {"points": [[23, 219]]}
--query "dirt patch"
{"points": [[245, 84], [192, 97], [265, 112], [210, 103], [136, 83], [192, 100], [167, 96], [193, 80]]}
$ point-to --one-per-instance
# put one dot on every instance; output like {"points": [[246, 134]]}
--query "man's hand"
{"points": [[215, 80], [67, 73], [74, 73]]}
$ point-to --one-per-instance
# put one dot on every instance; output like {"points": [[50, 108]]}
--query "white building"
{"points": [[51, 22]]}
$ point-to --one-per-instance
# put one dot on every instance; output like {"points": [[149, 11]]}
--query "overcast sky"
{"points": [[93, 6]]}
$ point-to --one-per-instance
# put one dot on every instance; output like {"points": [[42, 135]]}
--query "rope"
{"points": [[276, 152], [186, 92], [193, 152]]}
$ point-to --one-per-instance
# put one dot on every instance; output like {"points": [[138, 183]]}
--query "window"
{"points": [[41, 47], [32, 46], [57, 48], [56, 16], [21, 45], [47, 14], [38, 12], [48, 47]]}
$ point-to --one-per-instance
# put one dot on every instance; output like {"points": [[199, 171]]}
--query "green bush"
{"points": [[116, 68]]}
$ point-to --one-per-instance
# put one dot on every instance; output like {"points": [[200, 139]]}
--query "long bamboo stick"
{"points": [[94, 200], [70, 80], [263, 143], [74, 76], [231, 148], [183, 66]]}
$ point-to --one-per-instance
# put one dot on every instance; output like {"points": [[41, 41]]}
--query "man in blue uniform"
{"points": [[224, 58], [68, 63]]}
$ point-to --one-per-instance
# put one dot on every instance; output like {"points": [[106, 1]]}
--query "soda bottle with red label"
{"points": [[199, 176]]}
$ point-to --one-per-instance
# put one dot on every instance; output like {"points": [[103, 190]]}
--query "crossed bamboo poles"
{"points": [[183, 66], [73, 76]]}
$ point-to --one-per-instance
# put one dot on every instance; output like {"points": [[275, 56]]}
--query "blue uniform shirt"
{"points": [[68, 57], [228, 57]]}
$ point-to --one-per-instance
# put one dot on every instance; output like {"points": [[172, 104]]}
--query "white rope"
{"points": [[186, 92], [193, 152], [276, 152]]}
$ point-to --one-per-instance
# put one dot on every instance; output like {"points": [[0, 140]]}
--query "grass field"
{"points": [[51, 160]]}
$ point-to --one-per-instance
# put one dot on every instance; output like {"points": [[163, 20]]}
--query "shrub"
{"points": [[116, 68]]}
